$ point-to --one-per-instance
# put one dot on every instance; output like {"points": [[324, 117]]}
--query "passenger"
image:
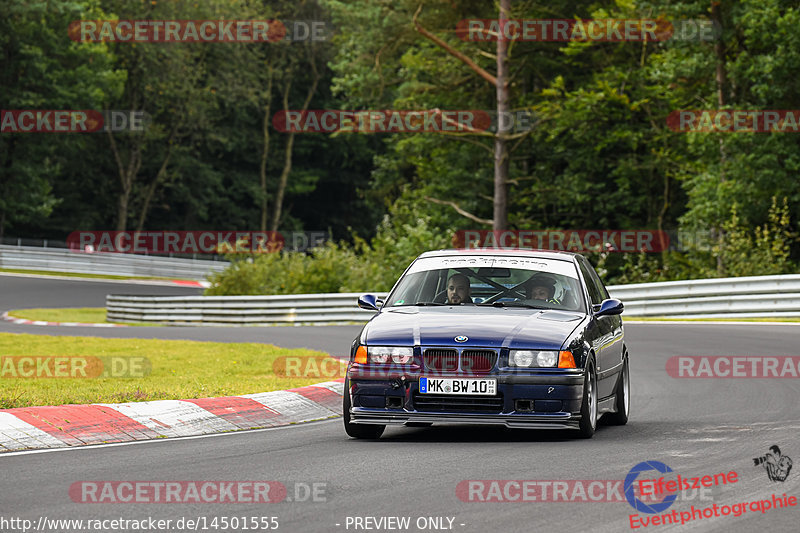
{"points": [[542, 288], [458, 289]]}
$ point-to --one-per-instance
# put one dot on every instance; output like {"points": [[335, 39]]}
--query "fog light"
{"points": [[394, 402], [523, 405]]}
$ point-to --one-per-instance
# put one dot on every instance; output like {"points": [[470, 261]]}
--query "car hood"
{"points": [[496, 327]]}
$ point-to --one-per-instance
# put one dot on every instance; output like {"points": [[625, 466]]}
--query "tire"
{"points": [[588, 422], [357, 431], [623, 398]]}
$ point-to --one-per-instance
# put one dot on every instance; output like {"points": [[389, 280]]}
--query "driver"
{"points": [[542, 288], [458, 289]]}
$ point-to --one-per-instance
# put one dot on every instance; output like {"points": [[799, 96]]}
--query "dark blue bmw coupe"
{"points": [[521, 338]]}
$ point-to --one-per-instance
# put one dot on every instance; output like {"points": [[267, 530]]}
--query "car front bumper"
{"points": [[543, 400]]}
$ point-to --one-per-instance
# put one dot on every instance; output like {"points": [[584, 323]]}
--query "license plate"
{"points": [[481, 387]]}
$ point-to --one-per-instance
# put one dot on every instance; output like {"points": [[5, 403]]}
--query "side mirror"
{"points": [[612, 306], [368, 302]]}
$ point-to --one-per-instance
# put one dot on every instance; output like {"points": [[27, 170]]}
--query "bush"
{"points": [[762, 251], [334, 267], [738, 250], [375, 266], [285, 272]]}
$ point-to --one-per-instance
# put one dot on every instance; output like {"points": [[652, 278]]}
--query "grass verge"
{"points": [[80, 274], [89, 315], [178, 370]]}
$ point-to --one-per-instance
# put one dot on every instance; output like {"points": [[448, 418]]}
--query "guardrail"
{"points": [[62, 260], [761, 296], [746, 297], [237, 310]]}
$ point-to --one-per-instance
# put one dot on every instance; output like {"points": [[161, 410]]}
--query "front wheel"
{"points": [[588, 422], [357, 431], [623, 401]]}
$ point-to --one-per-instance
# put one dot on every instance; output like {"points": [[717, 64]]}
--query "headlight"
{"points": [[532, 358], [400, 355], [520, 358]]}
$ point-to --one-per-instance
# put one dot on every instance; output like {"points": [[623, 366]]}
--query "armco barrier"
{"points": [[237, 310], [62, 260], [746, 297], [761, 296]]}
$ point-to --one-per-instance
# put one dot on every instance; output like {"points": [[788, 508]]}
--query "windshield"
{"points": [[490, 281]]}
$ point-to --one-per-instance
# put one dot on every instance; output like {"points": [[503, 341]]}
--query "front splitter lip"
{"points": [[505, 378], [359, 415]]}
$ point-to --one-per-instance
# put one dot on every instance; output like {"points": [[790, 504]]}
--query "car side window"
{"points": [[595, 292], [602, 288]]}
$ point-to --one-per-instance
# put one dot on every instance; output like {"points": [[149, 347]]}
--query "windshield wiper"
{"points": [[517, 304], [429, 303]]}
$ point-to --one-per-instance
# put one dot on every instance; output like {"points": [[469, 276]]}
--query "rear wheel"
{"points": [[588, 422], [357, 431], [623, 401]]}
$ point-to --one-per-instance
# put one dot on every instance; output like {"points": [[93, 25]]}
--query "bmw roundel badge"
{"points": [[461, 338]]}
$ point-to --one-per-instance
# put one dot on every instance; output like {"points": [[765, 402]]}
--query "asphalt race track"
{"points": [[697, 427], [21, 293]]}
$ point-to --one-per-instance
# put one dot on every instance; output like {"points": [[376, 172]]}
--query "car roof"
{"points": [[514, 252]]}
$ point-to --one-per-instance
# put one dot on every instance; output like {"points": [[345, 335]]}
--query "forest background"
{"points": [[599, 154]]}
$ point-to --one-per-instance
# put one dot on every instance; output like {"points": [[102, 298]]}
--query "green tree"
{"points": [[43, 69]]}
